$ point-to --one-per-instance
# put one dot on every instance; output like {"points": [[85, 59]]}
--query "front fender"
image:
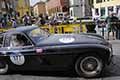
{"points": [[104, 52]]}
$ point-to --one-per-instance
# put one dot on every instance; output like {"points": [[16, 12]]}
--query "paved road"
{"points": [[111, 72], [116, 46]]}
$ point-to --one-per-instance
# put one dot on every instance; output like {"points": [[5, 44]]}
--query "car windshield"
{"points": [[38, 34]]}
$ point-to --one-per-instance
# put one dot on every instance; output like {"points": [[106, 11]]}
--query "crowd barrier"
{"points": [[67, 28], [85, 26], [4, 29], [62, 28]]}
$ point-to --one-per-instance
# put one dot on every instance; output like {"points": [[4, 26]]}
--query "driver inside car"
{"points": [[16, 41]]}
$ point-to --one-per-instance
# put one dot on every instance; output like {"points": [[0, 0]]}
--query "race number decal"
{"points": [[17, 58], [67, 40]]}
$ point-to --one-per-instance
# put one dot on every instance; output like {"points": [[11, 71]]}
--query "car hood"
{"points": [[63, 39]]}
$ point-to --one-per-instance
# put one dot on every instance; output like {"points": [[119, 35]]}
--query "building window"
{"points": [[98, 1], [102, 11]]}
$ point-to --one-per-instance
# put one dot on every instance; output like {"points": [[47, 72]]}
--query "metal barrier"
{"points": [[62, 29], [84, 26]]}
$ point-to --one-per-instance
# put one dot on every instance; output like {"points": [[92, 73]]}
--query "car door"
{"points": [[22, 55]]}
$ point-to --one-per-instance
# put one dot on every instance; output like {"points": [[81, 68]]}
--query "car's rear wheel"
{"points": [[89, 66], [3, 68]]}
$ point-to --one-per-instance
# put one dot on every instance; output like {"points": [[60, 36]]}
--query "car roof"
{"points": [[21, 29]]}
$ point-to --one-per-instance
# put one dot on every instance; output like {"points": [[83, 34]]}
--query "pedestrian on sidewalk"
{"points": [[96, 18], [4, 20], [0, 23], [111, 25], [0, 20]]}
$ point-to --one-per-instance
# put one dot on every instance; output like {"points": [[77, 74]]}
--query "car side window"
{"points": [[17, 40]]}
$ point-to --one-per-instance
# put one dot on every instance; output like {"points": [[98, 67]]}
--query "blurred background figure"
{"points": [[27, 19], [96, 18], [0, 20], [111, 21], [40, 20], [4, 20], [14, 23]]}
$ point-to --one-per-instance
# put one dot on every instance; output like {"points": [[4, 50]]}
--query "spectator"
{"points": [[111, 24], [38, 21], [0, 20], [42, 21], [14, 23], [0, 24], [118, 15], [27, 19], [96, 18], [4, 20]]}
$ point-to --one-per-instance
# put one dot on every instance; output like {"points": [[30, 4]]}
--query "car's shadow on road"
{"points": [[113, 70], [44, 74]]}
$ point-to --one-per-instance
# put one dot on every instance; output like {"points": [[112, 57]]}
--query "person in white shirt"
{"points": [[96, 18]]}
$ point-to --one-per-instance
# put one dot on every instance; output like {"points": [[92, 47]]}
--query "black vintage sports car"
{"points": [[30, 48]]}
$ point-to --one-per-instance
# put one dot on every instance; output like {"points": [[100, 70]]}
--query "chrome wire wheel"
{"points": [[89, 66]]}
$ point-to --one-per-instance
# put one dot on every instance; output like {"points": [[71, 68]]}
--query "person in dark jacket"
{"points": [[112, 26], [27, 19], [4, 20]]}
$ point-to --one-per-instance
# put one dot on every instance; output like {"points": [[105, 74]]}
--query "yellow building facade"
{"points": [[103, 7], [22, 7]]}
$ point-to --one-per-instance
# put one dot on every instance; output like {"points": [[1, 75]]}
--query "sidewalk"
{"points": [[116, 46], [115, 42]]}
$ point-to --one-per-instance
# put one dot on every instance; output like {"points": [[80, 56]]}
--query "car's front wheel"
{"points": [[3, 68], [89, 66]]}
